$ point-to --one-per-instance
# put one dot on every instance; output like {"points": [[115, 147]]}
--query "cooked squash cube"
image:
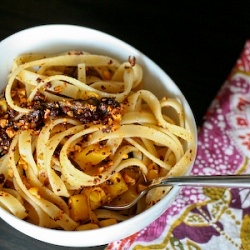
{"points": [[129, 195], [3, 105], [79, 208], [91, 156], [96, 196], [153, 172], [115, 186]]}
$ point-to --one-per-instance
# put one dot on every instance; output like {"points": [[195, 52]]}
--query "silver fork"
{"points": [[226, 181]]}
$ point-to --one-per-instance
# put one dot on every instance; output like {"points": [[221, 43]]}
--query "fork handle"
{"points": [[209, 180]]}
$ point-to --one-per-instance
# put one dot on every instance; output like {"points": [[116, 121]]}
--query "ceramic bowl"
{"points": [[58, 38]]}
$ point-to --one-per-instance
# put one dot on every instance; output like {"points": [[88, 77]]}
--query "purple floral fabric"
{"points": [[211, 218]]}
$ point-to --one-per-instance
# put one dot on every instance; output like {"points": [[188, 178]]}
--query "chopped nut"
{"points": [[128, 179], [106, 75], [10, 132], [3, 123]]}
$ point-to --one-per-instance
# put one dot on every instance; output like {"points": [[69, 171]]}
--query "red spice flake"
{"points": [[38, 80], [118, 179]]}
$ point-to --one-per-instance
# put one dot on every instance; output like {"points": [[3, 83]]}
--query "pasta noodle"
{"points": [[78, 130]]}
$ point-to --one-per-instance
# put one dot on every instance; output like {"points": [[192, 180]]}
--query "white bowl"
{"points": [[58, 38]]}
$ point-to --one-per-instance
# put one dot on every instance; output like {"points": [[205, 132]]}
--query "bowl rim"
{"points": [[71, 238]]}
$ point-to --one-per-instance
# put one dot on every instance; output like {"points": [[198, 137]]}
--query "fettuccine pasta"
{"points": [[77, 131]]}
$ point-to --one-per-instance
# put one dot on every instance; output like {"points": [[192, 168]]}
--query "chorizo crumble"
{"points": [[104, 111]]}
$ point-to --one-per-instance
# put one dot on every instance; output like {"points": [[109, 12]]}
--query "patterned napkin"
{"points": [[211, 218]]}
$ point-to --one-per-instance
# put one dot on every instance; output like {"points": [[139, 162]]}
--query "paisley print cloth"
{"points": [[211, 218]]}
